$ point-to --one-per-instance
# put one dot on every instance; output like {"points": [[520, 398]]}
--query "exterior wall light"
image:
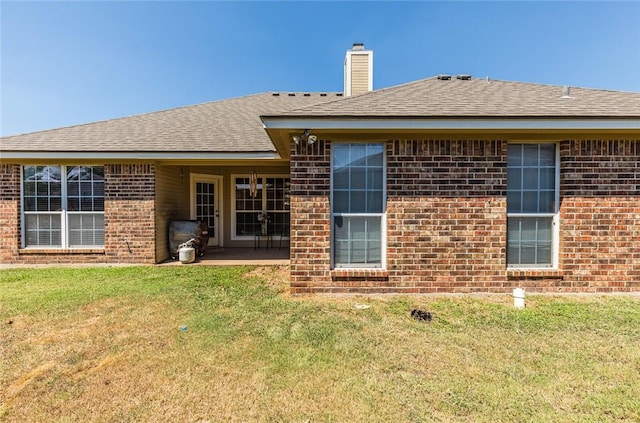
{"points": [[305, 136]]}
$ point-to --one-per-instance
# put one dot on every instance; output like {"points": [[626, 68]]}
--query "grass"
{"points": [[195, 343]]}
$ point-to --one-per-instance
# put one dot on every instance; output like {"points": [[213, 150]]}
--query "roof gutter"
{"points": [[355, 123], [138, 155]]}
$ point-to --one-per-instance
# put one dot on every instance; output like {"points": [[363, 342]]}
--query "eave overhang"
{"points": [[195, 156], [282, 128]]}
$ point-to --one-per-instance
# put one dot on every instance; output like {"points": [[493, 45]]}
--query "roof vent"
{"points": [[358, 46], [444, 77], [463, 77], [276, 94], [292, 94], [565, 91]]}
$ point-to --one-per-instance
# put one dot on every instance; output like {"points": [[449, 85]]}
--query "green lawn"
{"points": [[196, 343]]}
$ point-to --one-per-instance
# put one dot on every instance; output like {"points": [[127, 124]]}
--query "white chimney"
{"points": [[358, 70]]}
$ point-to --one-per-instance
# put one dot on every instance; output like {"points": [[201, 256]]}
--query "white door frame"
{"points": [[217, 181]]}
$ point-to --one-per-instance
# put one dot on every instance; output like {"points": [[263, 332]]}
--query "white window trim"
{"points": [[555, 241], [64, 213], [383, 215], [235, 237]]}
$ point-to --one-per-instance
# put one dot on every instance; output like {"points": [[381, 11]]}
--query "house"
{"points": [[446, 184]]}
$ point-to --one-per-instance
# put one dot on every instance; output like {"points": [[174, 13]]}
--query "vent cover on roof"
{"points": [[463, 77], [444, 77]]}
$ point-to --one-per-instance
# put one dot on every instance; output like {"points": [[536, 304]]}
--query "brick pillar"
{"points": [[310, 225], [9, 212], [130, 213]]}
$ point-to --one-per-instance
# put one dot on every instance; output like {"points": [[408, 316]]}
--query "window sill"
{"points": [[359, 273], [58, 251], [535, 273]]}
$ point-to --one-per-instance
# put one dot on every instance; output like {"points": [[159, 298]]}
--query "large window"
{"points": [[358, 199], [63, 206], [272, 195], [532, 205]]}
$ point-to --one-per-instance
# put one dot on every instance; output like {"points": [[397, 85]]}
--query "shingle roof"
{"points": [[231, 125], [478, 98]]}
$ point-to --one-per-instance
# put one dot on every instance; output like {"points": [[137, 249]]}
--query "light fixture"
{"points": [[305, 136]]}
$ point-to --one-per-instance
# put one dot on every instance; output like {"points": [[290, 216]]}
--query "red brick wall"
{"points": [[446, 220], [129, 214], [9, 212], [600, 214], [310, 226]]}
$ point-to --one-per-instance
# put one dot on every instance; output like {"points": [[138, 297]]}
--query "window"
{"points": [[358, 199], [532, 205], [63, 206], [272, 196]]}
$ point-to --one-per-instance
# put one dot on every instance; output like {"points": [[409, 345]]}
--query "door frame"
{"points": [[209, 179]]}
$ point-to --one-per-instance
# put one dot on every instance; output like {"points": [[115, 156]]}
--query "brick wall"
{"points": [[600, 215], [446, 220], [129, 215], [9, 212], [310, 226]]}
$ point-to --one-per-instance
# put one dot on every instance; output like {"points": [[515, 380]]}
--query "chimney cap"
{"points": [[358, 46]]}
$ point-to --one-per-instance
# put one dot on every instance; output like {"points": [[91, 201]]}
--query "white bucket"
{"points": [[518, 298], [187, 255]]}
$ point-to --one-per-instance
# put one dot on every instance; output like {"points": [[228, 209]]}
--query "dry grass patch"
{"points": [[107, 345]]}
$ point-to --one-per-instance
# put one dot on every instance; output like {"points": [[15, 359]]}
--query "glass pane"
{"points": [[358, 154], [341, 178], [341, 202], [358, 202], [529, 241], [374, 202], [530, 202], [374, 179], [544, 229], [514, 155], [374, 252], [357, 240], [358, 252], [374, 155], [547, 201], [340, 155], [341, 252], [514, 201], [358, 178], [547, 178], [530, 179], [43, 230], [514, 179], [530, 155], [544, 253], [547, 155]]}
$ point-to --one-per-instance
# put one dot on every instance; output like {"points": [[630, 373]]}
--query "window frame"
{"points": [[382, 215], [64, 213], [234, 211], [555, 215]]}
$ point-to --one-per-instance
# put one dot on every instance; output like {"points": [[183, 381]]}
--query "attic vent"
{"points": [[323, 94], [464, 77], [276, 94], [565, 91], [443, 77], [292, 94], [307, 94], [339, 94]]}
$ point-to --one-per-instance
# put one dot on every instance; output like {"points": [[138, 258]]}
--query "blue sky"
{"points": [[66, 63]]}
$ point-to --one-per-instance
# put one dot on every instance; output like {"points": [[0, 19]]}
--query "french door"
{"points": [[206, 195]]}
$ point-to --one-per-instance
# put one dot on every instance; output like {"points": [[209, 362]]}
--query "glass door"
{"points": [[206, 204]]}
